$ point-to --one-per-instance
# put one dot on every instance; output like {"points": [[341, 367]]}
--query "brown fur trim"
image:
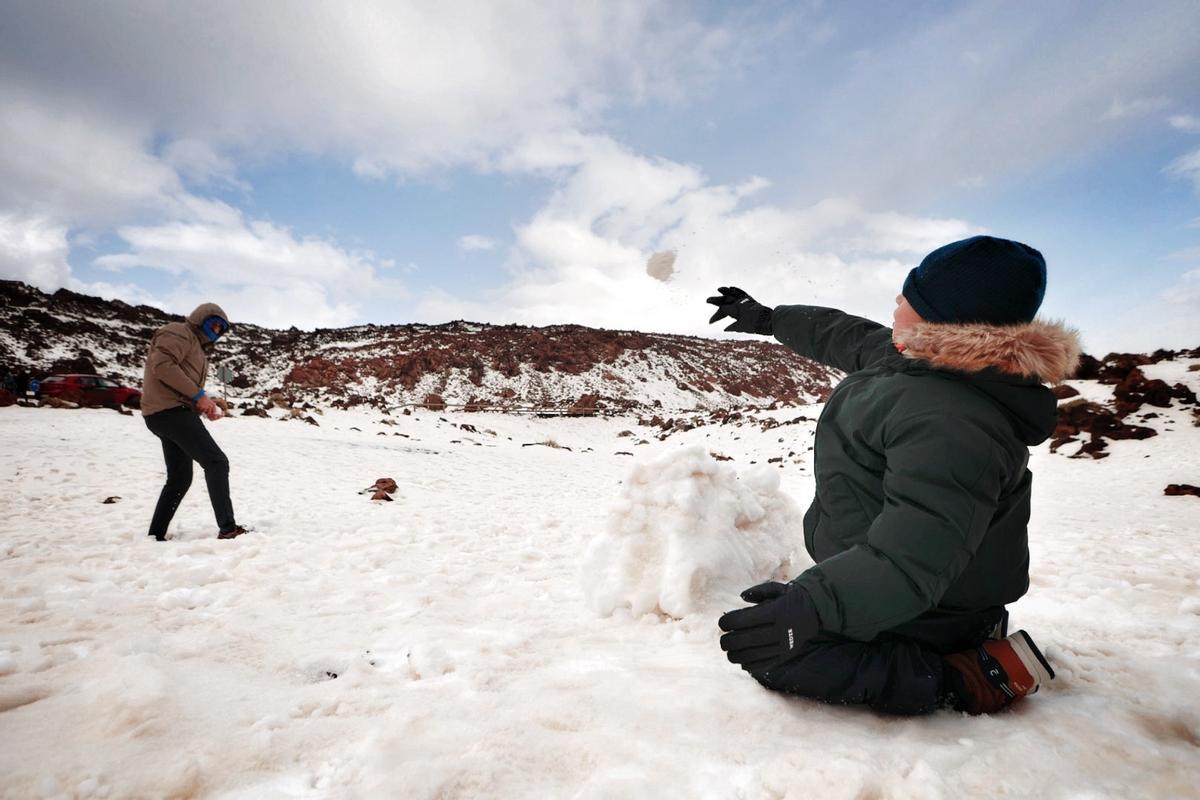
{"points": [[1045, 349]]}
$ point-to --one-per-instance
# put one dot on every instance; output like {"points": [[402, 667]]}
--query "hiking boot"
{"points": [[237, 530], [995, 674]]}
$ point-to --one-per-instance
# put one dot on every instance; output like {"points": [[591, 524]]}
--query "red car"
{"points": [[89, 390]]}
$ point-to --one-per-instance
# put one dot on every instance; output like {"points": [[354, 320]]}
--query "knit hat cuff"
{"points": [[913, 295]]}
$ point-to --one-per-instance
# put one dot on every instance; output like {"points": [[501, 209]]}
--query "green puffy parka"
{"points": [[919, 521]]}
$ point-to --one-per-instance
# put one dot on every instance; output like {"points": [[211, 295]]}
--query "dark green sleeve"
{"points": [[941, 489], [832, 337]]}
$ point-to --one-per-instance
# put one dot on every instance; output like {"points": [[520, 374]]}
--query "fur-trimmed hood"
{"points": [[1044, 349]]}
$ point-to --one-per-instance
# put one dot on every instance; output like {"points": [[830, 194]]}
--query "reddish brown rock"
{"points": [[7, 398], [585, 406], [83, 364], [1117, 366], [1135, 389], [1080, 416], [1178, 489], [1063, 391]]}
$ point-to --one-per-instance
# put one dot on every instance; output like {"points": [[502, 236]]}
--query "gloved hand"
{"points": [[749, 316], [771, 631]]}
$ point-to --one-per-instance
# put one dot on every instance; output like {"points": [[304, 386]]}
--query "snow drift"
{"points": [[687, 529]]}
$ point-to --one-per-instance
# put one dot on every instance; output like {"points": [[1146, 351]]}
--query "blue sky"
{"points": [[321, 164]]}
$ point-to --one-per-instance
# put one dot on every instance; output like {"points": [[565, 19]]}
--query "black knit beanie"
{"points": [[981, 279]]}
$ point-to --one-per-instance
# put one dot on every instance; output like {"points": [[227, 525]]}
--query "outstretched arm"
{"points": [[832, 337]]}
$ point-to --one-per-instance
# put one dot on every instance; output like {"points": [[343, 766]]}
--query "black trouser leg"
{"points": [[190, 441], [895, 676], [179, 479]]}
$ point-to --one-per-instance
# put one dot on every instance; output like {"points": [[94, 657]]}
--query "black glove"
{"points": [[749, 316], [772, 631]]}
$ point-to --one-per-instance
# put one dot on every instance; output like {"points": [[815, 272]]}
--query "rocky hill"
{"points": [[476, 366]]}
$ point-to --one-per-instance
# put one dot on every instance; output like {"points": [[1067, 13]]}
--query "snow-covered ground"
{"points": [[468, 660]]}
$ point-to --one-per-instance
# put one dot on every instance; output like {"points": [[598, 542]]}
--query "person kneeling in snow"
{"points": [[172, 398], [918, 526]]}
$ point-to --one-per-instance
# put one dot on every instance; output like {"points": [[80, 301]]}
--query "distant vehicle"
{"points": [[89, 390]]}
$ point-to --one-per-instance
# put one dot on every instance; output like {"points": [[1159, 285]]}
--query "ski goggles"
{"points": [[214, 327]]}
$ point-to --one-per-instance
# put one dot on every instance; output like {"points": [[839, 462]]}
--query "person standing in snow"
{"points": [[918, 524], [173, 397]]}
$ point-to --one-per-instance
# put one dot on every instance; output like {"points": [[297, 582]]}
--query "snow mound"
{"points": [[688, 529]]}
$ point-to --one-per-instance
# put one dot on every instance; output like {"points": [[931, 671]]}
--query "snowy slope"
{"points": [[387, 366], [468, 661]]}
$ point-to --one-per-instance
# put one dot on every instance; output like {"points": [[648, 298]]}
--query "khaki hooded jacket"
{"points": [[177, 362]]}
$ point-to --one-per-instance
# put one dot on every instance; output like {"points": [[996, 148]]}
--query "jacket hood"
{"points": [[204, 311], [1045, 350], [1008, 363]]}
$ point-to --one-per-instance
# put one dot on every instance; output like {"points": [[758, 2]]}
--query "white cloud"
{"points": [[78, 171], [1185, 122], [77, 165], [905, 118], [582, 257], [268, 271], [1171, 321], [34, 250], [200, 163], [1138, 107], [1187, 254], [1187, 166], [92, 138], [474, 242], [1185, 297], [389, 87]]}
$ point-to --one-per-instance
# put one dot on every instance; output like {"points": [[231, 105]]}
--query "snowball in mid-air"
{"points": [[661, 265], [686, 529]]}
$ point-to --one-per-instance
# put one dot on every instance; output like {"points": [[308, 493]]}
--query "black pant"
{"points": [[898, 672], [184, 440]]}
